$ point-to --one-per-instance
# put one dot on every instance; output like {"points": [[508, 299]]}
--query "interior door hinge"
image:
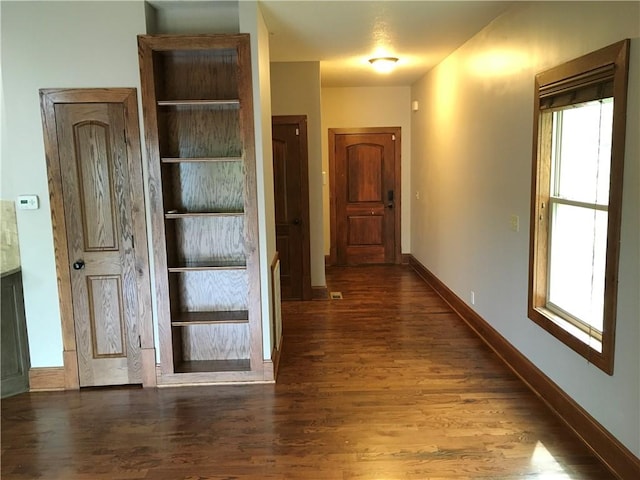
{"points": [[139, 341], [297, 132], [133, 243]]}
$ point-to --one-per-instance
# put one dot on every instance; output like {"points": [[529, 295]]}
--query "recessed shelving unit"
{"points": [[198, 111]]}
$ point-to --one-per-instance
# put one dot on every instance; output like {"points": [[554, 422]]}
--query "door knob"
{"points": [[296, 221], [390, 205], [78, 265]]}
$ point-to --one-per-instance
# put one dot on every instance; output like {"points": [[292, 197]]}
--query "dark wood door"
{"points": [[366, 195], [291, 190], [95, 181]]}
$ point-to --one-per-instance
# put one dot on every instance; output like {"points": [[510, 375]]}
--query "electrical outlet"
{"points": [[417, 195]]}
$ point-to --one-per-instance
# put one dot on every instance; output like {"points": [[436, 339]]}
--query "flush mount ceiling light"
{"points": [[383, 64]]}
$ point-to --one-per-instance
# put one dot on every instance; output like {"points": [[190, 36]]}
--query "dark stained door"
{"points": [[98, 218], [291, 189], [366, 195]]}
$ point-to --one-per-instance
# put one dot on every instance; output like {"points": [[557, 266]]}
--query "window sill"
{"points": [[575, 332]]}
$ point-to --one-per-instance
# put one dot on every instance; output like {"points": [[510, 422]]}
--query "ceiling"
{"points": [[343, 35]]}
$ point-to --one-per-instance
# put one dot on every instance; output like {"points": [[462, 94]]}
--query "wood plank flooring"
{"points": [[386, 383]]}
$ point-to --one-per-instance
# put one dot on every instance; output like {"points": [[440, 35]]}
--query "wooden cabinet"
{"points": [[198, 114], [14, 348]]}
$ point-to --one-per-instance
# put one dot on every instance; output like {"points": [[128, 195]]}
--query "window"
{"points": [[579, 129]]}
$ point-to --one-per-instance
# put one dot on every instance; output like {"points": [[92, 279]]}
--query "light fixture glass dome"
{"points": [[383, 64]]}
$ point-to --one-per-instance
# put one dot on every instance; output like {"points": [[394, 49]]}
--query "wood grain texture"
{"points": [[197, 74], [212, 290], [95, 182], [204, 366], [210, 240], [215, 342], [131, 201], [106, 316], [388, 383], [200, 131], [197, 95], [93, 167], [606, 447], [291, 197], [149, 374], [205, 186], [364, 230], [135, 203], [254, 304], [364, 172], [198, 103], [43, 379], [54, 178], [570, 83], [194, 318], [276, 310], [152, 132], [212, 372], [71, 370], [364, 166]]}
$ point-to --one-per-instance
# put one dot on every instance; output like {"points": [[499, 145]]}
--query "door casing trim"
{"points": [[333, 132], [127, 97]]}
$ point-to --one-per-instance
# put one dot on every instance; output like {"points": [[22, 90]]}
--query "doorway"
{"points": [[365, 184], [291, 193], [92, 145]]}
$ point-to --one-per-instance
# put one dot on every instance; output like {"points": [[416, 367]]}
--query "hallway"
{"points": [[386, 383]]}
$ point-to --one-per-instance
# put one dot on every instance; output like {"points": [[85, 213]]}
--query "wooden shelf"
{"points": [[197, 103], [177, 215], [199, 266], [197, 100], [185, 319], [201, 159], [195, 366]]}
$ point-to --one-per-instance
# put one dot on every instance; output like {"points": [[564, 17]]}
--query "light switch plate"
{"points": [[514, 223]]}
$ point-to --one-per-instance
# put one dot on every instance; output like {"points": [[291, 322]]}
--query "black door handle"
{"points": [[296, 221], [390, 205], [78, 265]]}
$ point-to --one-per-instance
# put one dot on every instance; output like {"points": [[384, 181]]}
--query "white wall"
{"points": [[471, 162], [295, 90], [193, 17], [252, 22], [369, 107], [45, 45]]}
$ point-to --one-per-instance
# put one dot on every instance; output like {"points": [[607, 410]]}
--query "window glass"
{"points": [[577, 262], [582, 152]]}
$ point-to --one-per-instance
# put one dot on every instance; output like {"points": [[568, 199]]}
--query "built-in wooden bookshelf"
{"points": [[198, 113]]}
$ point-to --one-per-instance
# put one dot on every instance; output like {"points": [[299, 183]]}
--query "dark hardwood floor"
{"points": [[385, 384]]}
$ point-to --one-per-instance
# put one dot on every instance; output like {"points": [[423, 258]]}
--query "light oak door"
{"points": [[95, 186], [365, 192], [291, 185]]}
